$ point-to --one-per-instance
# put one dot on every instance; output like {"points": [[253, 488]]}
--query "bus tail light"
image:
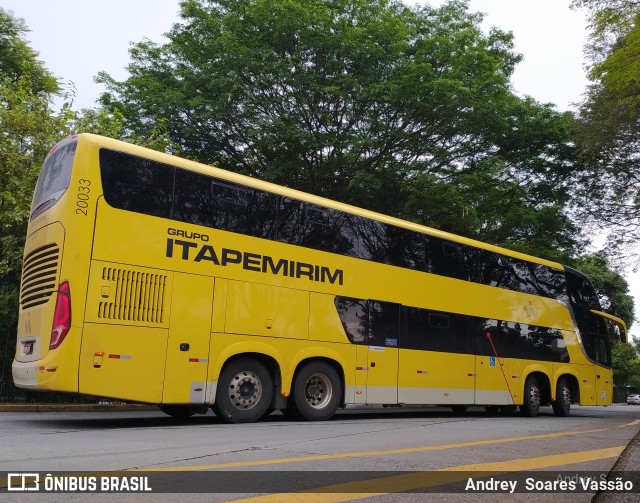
{"points": [[61, 316]]}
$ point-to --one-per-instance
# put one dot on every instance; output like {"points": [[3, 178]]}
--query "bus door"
{"points": [[436, 363], [492, 383], [381, 352], [492, 372], [185, 373]]}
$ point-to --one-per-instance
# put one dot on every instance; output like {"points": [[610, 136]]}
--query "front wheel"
{"points": [[316, 393], [244, 392], [531, 403], [562, 404]]}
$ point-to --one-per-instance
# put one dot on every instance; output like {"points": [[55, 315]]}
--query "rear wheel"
{"points": [[531, 403], [562, 404], [244, 392], [316, 393]]}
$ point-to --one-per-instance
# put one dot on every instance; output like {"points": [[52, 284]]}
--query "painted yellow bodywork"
{"points": [[209, 314]]}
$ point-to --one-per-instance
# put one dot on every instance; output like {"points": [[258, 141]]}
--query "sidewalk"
{"points": [[629, 461]]}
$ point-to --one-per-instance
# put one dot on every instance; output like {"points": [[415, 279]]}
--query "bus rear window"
{"points": [[54, 177]]}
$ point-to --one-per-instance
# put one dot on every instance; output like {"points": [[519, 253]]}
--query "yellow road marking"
{"points": [[365, 489], [342, 455], [632, 423]]}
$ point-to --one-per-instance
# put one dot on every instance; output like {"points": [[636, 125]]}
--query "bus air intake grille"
{"points": [[39, 274], [137, 296]]}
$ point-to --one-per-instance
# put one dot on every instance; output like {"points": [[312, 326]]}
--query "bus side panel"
{"points": [[604, 385], [124, 343], [124, 362], [185, 373], [257, 309], [492, 385], [429, 377]]}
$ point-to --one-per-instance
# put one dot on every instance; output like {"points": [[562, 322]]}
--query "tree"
{"points": [[368, 102], [626, 366], [28, 130], [18, 61], [608, 126]]}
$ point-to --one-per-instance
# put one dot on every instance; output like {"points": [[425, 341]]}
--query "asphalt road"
{"points": [[370, 454]]}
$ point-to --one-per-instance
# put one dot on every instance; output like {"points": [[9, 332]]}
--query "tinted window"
{"points": [[136, 184], [405, 248], [519, 340], [54, 177], [371, 240], [596, 334], [194, 202], [581, 291], [315, 227], [452, 260], [436, 331], [416, 323], [354, 317], [144, 186], [384, 323]]}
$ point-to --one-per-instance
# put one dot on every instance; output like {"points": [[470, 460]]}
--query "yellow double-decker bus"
{"points": [[155, 279]]}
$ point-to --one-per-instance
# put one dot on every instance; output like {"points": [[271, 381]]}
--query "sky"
{"points": [[78, 39]]}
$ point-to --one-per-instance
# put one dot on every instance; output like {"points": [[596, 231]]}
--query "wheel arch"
{"points": [[267, 355]]}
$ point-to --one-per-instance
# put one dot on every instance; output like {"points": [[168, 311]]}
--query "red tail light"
{"points": [[61, 316]]}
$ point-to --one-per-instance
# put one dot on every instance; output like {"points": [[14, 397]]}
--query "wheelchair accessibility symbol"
{"points": [[492, 361]]}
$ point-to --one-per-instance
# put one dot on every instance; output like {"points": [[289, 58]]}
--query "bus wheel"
{"points": [[316, 392], [244, 392], [531, 402], [562, 404], [178, 411]]}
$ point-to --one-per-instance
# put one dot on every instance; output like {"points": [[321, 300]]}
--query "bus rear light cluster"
{"points": [[61, 316]]}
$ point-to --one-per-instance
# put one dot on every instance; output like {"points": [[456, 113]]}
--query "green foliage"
{"points": [[18, 61], [28, 132], [607, 131], [29, 129], [626, 365], [407, 111]]}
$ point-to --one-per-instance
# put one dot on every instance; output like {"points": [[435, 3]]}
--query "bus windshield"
{"points": [[54, 177]]}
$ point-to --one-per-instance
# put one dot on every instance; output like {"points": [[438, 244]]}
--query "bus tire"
{"points": [[531, 400], [244, 391], [316, 393], [562, 404]]}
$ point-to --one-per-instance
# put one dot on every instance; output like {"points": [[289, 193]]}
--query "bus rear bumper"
{"points": [[41, 376]]}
